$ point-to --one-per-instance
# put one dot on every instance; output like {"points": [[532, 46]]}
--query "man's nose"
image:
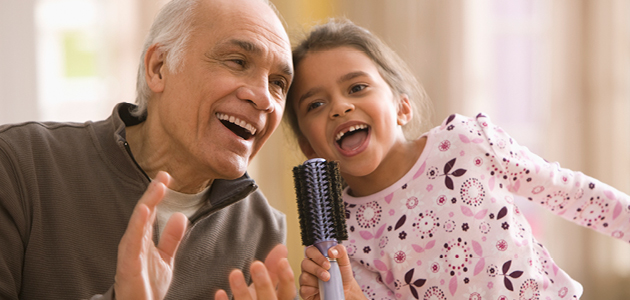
{"points": [[258, 95]]}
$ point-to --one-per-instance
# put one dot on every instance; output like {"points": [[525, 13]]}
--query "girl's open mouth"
{"points": [[353, 138]]}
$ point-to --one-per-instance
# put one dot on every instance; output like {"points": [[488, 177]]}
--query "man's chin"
{"points": [[230, 170]]}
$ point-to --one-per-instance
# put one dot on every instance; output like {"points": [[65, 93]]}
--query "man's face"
{"points": [[228, 95]]}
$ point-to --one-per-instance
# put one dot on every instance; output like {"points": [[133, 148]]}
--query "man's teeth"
{"points": [[237, 121], [351, 129]]}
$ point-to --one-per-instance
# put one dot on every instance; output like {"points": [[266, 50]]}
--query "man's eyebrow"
{"points": [[245, 45], [255, 49], [287, 70]]}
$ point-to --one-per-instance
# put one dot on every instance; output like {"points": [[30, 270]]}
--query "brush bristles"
{"points": [[320, 207]]}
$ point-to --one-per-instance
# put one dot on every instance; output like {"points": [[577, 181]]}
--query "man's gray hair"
{"points": [[171, 31]]}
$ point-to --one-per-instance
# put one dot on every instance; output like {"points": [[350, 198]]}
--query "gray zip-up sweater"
{"points": [[67, 191]]}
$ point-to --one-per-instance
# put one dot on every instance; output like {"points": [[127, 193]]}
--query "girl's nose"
{"points": [[341, 109]]}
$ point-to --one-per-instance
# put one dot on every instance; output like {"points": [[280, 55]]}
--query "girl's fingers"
{"points": [[307, 279], [345, 268], [314, 255], [341, 254], [312, 268], [309, 286], [309, 292]]}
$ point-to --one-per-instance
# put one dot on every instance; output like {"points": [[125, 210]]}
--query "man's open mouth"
{"points": [[238, 126], [353, 137]]}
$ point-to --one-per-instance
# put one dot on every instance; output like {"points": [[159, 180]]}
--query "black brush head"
{"points": [[320, 206]]}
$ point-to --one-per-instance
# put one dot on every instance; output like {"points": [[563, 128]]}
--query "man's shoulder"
{"points": [[34, 129], [45, 138], [259, 204]]}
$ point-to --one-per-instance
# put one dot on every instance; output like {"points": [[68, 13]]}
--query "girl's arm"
{"points": [[570, 194]]}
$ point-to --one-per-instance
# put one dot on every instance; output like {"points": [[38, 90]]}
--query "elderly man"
{"points": [[211, 90]]}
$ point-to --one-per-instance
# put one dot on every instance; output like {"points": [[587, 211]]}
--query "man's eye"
{"points": [[279, 83], [240, 62], [357, 88]]}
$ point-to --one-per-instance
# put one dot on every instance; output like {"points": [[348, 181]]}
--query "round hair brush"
{"points": [[321, 213]]}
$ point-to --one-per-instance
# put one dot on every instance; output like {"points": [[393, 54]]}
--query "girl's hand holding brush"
{"points": [[315, 266]]}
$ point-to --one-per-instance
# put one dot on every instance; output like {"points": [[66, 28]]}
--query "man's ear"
{"points": [[153, 67], [306, 148], [405, 113]]}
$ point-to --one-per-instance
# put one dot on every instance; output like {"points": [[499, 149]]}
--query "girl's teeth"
{"points": [[351, 129]]}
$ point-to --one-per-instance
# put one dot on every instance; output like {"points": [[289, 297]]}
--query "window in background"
{"points": [[519, 81], [70, 51], [504, 74]]}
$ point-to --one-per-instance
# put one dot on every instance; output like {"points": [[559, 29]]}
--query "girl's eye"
{"points": [[357, 88], [314, 105]]}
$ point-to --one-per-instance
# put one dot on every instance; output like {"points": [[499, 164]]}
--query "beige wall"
{"points": [[18, 80]]}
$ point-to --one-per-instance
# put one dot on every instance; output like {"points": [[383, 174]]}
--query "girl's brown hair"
{"points": [[338, 33]]}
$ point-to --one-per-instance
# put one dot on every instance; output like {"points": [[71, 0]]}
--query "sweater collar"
{"points": [[114, 146]]}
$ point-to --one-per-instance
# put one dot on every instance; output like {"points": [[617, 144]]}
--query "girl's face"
{"points": [[347, 112]]}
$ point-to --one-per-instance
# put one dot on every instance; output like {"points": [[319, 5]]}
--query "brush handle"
{"points": [[333, 288]]}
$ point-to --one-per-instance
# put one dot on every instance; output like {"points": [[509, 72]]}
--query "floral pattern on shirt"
{"points": [[450, 228]]}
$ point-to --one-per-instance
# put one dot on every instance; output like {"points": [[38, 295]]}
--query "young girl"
{"points": [[429, 217]]}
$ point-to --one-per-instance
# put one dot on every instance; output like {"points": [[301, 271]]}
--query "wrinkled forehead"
{"points": [[232, 13], [248, 19]]}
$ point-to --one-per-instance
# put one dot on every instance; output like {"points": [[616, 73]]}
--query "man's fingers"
{"points": [[286, 284], [238, 285], [221, 295], [141, 221], [155, 191], [273, 259], [262, 282], [172, 236], [132, 244]]}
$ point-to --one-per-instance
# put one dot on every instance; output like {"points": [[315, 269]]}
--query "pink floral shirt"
{"points": [[449, 228]]}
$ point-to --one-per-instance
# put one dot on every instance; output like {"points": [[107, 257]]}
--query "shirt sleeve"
{"points": [[574, 196], [13, 228], [15, 212]]}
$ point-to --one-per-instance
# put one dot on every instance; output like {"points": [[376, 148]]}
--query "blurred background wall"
{"points": [[554, 74]]}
